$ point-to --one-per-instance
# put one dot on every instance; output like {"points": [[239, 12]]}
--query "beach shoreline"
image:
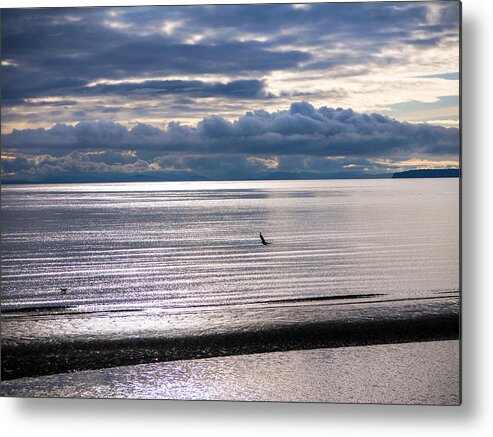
{"points": [[374, 324]]}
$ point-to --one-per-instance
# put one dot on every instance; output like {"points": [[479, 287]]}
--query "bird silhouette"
{"points": [[265, 243]]}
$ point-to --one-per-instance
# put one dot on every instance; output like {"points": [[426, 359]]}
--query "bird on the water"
{"points": [[265, 243]]}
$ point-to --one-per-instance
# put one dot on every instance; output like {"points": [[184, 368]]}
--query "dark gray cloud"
{"points": [[54, 56], [56, 52], [123, 166], [246, 89], [77, 167], [302, 129], [50, 103]]}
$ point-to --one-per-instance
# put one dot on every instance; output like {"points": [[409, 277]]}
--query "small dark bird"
{"points": [[63, 290], [263, 240]]}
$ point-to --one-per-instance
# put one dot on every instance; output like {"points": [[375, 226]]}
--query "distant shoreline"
{"points": [[436, 173], [422, 174]]}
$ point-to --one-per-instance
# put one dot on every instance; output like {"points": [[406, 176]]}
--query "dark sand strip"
{"points": [[41, 358], [34, 310]]}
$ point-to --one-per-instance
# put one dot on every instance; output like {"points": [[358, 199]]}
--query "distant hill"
{"points": [[88, 177], [431, 173]]}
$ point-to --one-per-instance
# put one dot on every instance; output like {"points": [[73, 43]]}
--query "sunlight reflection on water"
{"points": [[413, 373], [168, 244]]}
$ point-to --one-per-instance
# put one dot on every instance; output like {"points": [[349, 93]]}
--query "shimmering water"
{"points": [[195, 243], [173, 260]]}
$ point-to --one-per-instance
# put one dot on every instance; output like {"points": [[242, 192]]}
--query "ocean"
{"points": [[101, 276]]}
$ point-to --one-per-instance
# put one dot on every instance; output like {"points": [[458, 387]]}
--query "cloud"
{"points": [[302, 129], [111, 166], [156, 64], [52, 52], [50, 55], [424, 42], [78, 167], [51, 103], [245, 89]]}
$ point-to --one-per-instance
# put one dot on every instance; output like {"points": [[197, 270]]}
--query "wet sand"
{"points": [[425, 373], [369, 325]]}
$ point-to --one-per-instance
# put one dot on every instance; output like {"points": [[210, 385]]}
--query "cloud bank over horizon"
{"points": [[302, 141]]}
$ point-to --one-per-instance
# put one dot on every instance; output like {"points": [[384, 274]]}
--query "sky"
{"points": [[229, 92]]}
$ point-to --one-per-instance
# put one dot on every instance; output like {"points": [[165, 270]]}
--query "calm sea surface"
{"points": [[178, 245], [185, 258]]}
